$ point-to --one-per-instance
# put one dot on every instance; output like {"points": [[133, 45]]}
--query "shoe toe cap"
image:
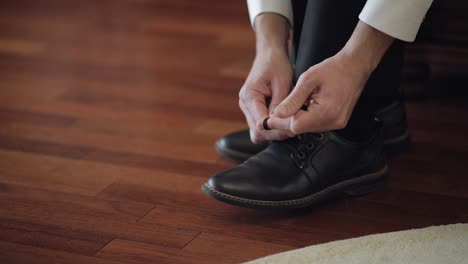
{"points": [[226, 182]]}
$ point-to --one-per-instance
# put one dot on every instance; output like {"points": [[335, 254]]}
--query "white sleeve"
{"points": [[281, 7], [400, 19]]}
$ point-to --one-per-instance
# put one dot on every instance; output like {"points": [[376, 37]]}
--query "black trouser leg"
{"points": [[323, 30]]}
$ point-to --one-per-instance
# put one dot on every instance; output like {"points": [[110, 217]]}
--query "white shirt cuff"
{"points": [[400, 19], [280, 7]]}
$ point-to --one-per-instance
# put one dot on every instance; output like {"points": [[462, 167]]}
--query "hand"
{"points": [[330, 89], [270, 77]]}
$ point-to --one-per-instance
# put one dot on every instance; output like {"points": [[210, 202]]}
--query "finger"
{"points": [[256, 113], [252, 129], [277, 134], [299, 96], [312, 120], [280, 90], [258, 134], [273, 134], [256, 107], [278, 123]]}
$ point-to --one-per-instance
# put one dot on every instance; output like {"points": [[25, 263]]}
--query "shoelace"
{"points": [[301, 145]]}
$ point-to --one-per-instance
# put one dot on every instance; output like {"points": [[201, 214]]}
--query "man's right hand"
{"points": [[270, 78]]}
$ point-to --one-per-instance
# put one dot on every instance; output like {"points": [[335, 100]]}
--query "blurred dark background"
{"points": [[437, 64]]}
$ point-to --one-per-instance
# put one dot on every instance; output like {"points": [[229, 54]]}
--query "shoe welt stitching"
{"points": [[373, 175]]}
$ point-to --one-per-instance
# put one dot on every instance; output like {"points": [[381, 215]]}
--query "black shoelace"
{"points": [[302, 145]]}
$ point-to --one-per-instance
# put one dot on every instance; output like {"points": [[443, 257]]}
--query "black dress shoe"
{"points": [[239, 147], [302, 171]]}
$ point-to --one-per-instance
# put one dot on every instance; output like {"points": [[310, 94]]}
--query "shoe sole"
{"points": [[354, 187], [392, 147], [397, 145]]}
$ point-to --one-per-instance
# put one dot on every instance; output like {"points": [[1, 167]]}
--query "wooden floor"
{"points": [[108, 114]]}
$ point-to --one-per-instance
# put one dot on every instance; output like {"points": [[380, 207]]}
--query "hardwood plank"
{"points": [[209, 244], [146, 135], [443, 178], [51, 173], [135, 160], [173, 148], [317, 224], [238, 223], [21, 116], [96, 176], [94, 217], [205, 248], [116, 120], [71, 203], [56, 238], [22, 47], [155, 163], [44, 147], [135, 252], [16, 164], [196, 211], [19, 254], [426, 204]]}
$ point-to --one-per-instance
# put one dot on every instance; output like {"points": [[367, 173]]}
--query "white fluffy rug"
{"points": [[436, 244]]}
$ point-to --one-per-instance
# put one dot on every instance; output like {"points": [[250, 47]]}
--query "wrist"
{"points": [[272, 52], [354, 66], [272, 33], [366, 47], [358, 60]]}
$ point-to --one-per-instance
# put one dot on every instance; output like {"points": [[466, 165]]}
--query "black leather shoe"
{"points": [[239, 147], [302, 171]]}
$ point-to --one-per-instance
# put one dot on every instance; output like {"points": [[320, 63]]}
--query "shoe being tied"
{"points": [[238, 146], [303, 171]]}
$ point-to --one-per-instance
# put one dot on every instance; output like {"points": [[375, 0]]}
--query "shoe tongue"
{"points": [[292, 144]]}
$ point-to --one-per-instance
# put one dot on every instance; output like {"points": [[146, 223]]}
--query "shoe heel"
{"points": [[396, 148], [365, 188]]}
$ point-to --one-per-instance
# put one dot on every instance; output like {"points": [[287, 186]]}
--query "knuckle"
{"points": [[296, 128], [246, 96], [242, 105], [242, 94], [340, 123], [240, 102], [255, 139], [292, 101], [302, 78], [255, 136], [313, 70]]}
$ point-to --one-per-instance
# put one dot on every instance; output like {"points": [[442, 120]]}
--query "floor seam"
{"points": [[188, 243]]}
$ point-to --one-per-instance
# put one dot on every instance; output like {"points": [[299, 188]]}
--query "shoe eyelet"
{"points": [[310, 146], [300, 155], [321, 136], [299, 162]]}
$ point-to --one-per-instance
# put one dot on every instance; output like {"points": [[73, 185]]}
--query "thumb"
{"points": [[296, 99]]}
